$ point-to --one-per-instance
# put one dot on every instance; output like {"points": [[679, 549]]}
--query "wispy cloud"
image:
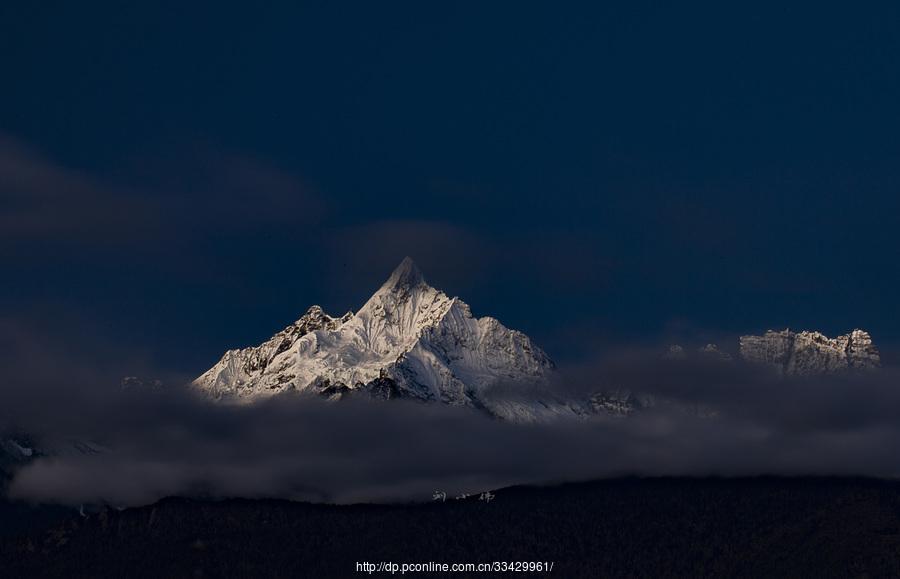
{"points": [[43, 200], [208, 193]]}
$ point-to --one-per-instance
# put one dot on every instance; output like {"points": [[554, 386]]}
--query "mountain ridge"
{"points": [[806, 352], [410, 340]]}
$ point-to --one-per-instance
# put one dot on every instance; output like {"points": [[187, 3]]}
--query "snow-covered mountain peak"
{"points": [[408, 340]]}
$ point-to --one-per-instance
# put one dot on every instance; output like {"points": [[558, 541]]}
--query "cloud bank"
{"points": [[172, 443]]}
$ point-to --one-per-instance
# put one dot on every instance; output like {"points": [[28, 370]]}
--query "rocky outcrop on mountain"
{"points": [[709, 352], [138, 384], [617, 403], [409, 340], [808, 353], [675, 352], [712, 352]]}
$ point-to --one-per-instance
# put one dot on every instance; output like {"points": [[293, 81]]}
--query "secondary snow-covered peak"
{"points": [[315, 318], [240, 367], [807, 353], [314, 310]]}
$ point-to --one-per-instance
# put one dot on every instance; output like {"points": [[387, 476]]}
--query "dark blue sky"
{"points": [[182, 179]]}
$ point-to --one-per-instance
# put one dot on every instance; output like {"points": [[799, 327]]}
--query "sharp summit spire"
{"points": [[406, 274]]}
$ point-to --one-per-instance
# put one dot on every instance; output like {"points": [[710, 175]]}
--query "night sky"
{"points": [[177, 180]]}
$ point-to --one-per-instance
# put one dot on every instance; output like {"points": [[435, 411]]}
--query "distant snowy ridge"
{"points": [[409, 340], [798, 353], [806, 353], [788, 353]]}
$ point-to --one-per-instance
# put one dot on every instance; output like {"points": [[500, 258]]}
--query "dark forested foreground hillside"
{"points": [[761, 527]]}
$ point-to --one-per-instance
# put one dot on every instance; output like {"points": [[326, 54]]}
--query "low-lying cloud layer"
{"points": [[172, 443]]}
